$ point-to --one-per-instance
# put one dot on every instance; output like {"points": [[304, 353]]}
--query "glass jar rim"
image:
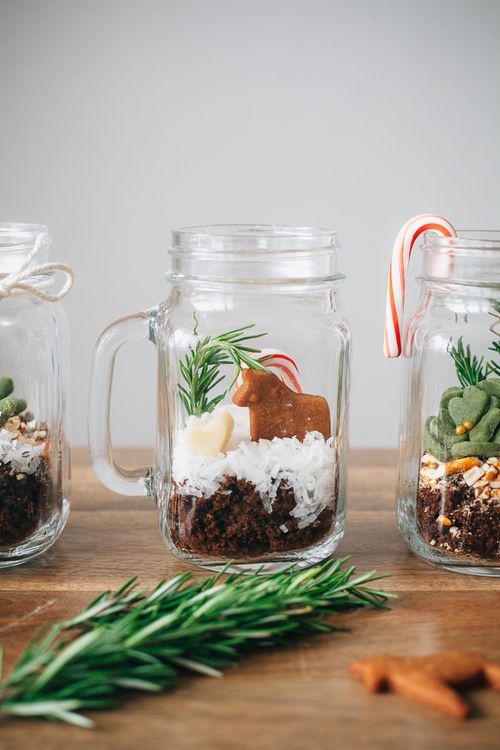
{"points": [[17, 241], [16, 234], [263, 238], [254, 254], [466, 240]]}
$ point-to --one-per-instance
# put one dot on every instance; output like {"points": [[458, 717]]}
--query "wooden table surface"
{"points": [[298, 698]]}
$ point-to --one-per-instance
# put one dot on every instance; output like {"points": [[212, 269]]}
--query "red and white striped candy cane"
{"points": [[286, 368], [401, 253]]}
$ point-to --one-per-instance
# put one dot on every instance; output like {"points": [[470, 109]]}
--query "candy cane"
{"points": [[401, 254], [286, 368]]}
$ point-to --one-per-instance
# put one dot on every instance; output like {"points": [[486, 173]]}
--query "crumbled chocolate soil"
{"points": [[475, 524], [26, 501], [233, 523]]}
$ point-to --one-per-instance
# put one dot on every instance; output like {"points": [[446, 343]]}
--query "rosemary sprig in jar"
{"points": [[138, 639], [200, 367], [470, 370]]}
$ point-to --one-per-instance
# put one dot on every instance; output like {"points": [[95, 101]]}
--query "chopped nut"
{"points": [[24, 439], [472, 475], [454, 530], [19, 476], [12, 424], [462, 464], [440, 471], [427, 458], [427, 472], [481, 483], [443, 520]]}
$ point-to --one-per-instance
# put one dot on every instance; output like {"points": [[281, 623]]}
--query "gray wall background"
{"points": [[120, 120]]}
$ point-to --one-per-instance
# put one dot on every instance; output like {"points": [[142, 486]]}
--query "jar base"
{"points": [[274, 563], [467, 565], [43, 538], [475, 570]]}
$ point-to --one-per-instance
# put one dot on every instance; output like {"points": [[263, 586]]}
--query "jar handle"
{"points": [[125, 481]]}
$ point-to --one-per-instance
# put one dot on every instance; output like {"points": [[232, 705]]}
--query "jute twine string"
{"points": [[27, 280]]}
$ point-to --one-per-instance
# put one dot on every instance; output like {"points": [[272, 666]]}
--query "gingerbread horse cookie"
{"points": [[277, 411], [427, 679]]}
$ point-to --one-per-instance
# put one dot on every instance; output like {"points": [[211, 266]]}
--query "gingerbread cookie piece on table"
{"points": [[429, 679], [277, 411]]}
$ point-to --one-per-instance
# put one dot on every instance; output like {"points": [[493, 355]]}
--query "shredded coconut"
{"points": [[308, 468], [23, 458]]}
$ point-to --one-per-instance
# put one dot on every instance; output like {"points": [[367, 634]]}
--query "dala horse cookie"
{"points": [[429, 679], [277, 411]]}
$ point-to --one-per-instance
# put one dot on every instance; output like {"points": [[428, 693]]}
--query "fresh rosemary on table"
{"points": [[200, 368], [139, 639]]}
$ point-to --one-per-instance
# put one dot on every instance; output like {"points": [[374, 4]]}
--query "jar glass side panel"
{"points": [[449, 482], [250, 464], [34, 460]]}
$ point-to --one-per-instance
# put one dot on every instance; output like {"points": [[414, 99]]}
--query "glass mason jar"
{"points": [[248, 467], [449, 466], [34, 456]]}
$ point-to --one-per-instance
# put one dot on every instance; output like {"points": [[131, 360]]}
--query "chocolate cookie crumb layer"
{"points": [[26, 501], [233, 522], [451, 519]]}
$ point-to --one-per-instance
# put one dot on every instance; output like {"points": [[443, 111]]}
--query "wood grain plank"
{"points": [[294, 698]]}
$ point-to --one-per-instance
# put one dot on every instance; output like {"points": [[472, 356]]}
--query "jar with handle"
{"points": [[253, 371]]}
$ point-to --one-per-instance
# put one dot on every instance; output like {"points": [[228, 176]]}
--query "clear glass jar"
{"points": [[34, 456], [449, 466], [248, 467]]}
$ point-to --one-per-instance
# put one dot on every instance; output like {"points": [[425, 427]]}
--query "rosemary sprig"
{"points": [[139, 639], [470, 370], [200, 367], [493, 366]]}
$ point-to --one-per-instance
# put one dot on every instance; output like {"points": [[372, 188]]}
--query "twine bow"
{"points": [[25, 279]]}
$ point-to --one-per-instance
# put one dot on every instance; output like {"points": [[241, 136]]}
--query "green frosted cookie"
{"points": [[470, 407], [447, 437], [433, 446], [491, 386], [485, 429], [9, 407], [6, 387], [453, 392], [462, 450], [443, 428], [446, 422]]}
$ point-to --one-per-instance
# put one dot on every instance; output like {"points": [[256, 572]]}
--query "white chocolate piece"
{"points": [[211, 435]]}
